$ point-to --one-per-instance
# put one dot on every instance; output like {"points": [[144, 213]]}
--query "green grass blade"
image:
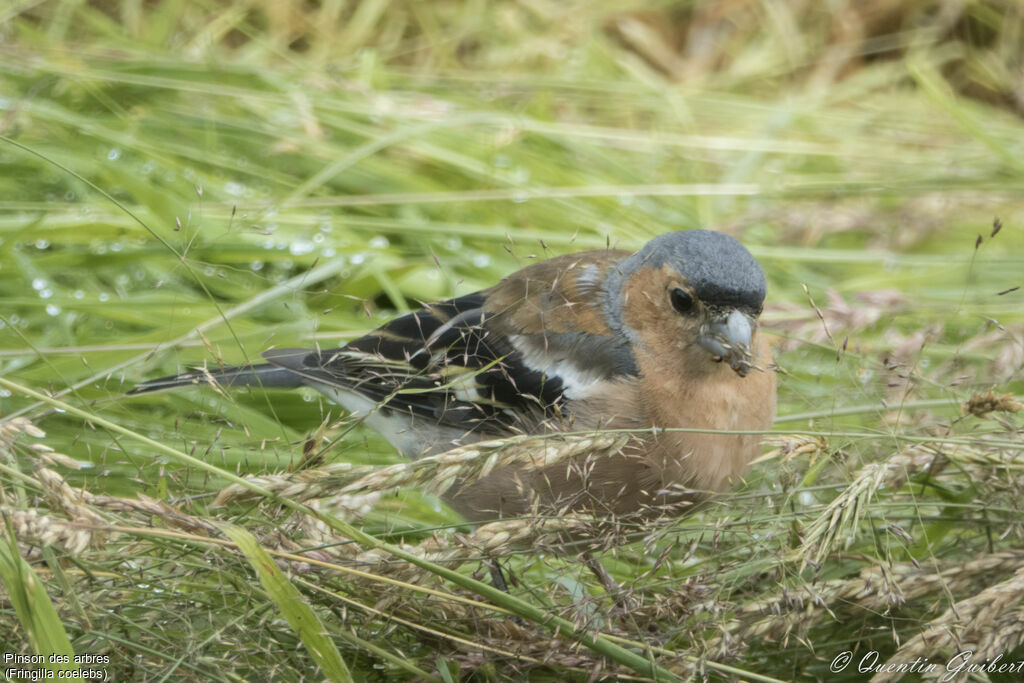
{"points": [[35, 610], [292, 605]]}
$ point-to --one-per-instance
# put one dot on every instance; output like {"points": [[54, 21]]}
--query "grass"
{"points": [[184, 182]]}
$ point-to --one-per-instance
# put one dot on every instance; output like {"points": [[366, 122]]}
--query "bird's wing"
{"points": [[554, 315], [501, 360]]}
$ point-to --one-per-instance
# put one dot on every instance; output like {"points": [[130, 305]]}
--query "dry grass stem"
{"points": [[787, 448], [981, 405], [33, 528], [434, 474], [878, 589], [841, 518], [484, 541], [987, 625]]}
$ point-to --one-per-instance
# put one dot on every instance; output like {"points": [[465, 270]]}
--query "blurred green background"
{"points": [[194, 181]]}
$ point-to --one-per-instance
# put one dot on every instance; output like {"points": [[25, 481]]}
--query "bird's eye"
{"points": [[681, 300]]}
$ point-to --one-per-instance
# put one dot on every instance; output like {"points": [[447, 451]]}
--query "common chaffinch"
{"points": [[664, 338]]}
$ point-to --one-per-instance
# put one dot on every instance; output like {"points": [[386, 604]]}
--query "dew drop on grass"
{"points": [[300, 247], [78, 294], [356, 259], [45, 293], [379, 242], [104, 296], [52, 309], [256, 265], [42, 244], [234, 189], [481, 260], [38, 284], [114, 154]]}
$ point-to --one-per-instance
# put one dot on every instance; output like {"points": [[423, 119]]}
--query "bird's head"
{"points": [[696, 290]]}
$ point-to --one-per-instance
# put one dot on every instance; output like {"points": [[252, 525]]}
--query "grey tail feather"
{"points": [[268, 376]]}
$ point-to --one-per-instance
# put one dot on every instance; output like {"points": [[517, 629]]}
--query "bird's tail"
{"points": [[266, 375]]}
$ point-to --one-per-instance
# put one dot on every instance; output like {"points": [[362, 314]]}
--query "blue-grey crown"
{"points": [[721, 270]]}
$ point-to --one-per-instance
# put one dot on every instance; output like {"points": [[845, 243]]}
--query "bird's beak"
{"points": [[727, 337]]}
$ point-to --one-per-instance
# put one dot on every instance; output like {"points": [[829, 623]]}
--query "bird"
{"points": [[665, 338]]}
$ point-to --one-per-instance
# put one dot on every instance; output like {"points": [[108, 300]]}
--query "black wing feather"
{"points": [[414, 363]]}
